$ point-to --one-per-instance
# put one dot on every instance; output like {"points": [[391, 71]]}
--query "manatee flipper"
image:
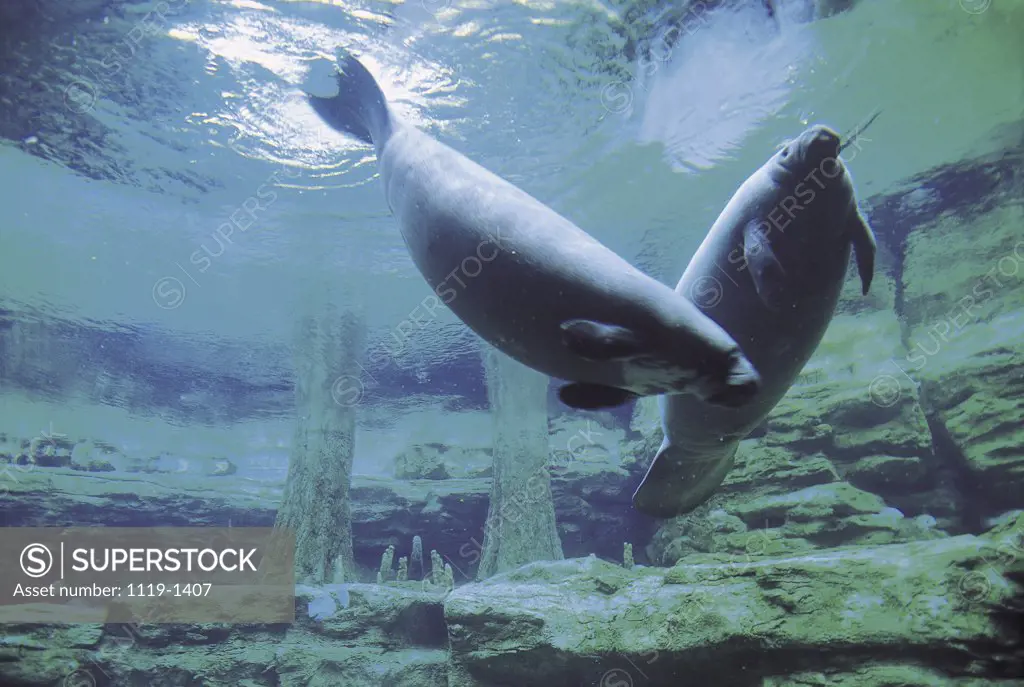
{"points": [[360, 108], [598, 341], [583, 396], [864, 249], [741, 385], [680, 480], [765, 269]]}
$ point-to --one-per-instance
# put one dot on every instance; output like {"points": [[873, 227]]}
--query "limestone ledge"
{"points": [[964, 328], [372, 635], [592, 504], [940, 613], [975, 391], [948, 610]]}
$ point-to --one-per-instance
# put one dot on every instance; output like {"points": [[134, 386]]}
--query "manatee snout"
{"points": [[821, 143], [737, 386]]}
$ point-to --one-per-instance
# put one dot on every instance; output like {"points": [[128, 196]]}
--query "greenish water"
{"points": [[130, 332]]}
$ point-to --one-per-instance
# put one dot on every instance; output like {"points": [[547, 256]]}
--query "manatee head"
{"points": [[817, 148]]}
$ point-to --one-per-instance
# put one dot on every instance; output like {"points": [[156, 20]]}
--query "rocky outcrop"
{"points": [[839, 410], [939, 612], [924, 614], [591, 502], [834, 463], [384, 511], [826, 514], [363, 636], [915, 393], [439, 461], [964, 332]]}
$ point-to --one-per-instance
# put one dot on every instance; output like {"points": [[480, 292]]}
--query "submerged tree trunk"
{"points": [[316, 494], [521, 517]]}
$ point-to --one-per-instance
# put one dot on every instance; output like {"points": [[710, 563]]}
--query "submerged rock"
{"points": [[591, 502], [835, 500], [964, 349], [776, 522], [221, 467], [855, 611], [439, 461], [945, 612], [385, 637], [893, 475]]}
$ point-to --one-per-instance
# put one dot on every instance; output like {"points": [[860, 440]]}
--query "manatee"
{"points": [[529, 281], [770, 272]]}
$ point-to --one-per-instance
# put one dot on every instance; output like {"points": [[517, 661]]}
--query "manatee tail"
{"points": [[360, 108], [679, 480]]}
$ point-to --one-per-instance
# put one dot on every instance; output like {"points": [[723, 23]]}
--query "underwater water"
{"points": [[209, 318]]}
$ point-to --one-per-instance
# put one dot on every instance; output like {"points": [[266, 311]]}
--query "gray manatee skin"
{"points": [[529, 281], [770, 272]]}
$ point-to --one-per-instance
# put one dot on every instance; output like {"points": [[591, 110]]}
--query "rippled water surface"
{"points": [[637, 137]]}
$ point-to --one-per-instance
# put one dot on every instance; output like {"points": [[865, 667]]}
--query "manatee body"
{"points": [[770, 272], [529, 281]]}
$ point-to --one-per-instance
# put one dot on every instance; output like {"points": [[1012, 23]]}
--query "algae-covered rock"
{"points": [[883, 675], [574, 439], [422, 461], [301, 665], [739, 623], [772, 519], [831, 407], [838, 499], [377, 636], [47, 655], [965, 328], [979, 403], [982, 283], [769, 541], [591, 503], [941, 612], [827, 515], [764, 467], [380, 637], [887, 474], [437, 461], [705, 530], [849, 421], [839, 409]]}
